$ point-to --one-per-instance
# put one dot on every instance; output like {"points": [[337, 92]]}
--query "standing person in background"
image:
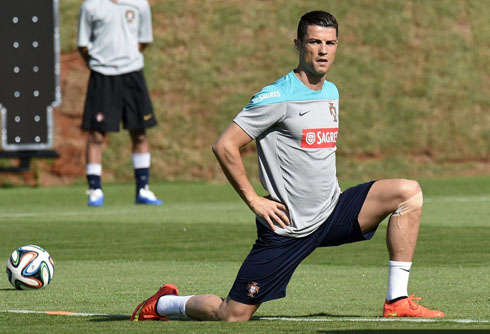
{"points": [[111, 37], [295, 122]]}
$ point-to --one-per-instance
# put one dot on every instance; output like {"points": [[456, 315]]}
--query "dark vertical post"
{"points": [[29, 73]]}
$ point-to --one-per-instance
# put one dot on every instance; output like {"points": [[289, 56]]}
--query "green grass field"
{"points": [[108, 259]]}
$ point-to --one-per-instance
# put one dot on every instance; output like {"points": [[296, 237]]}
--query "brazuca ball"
{"points": [[30, 267]]}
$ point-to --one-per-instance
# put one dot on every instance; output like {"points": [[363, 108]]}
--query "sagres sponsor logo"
{"points": [[263, 96], [319, 138]]}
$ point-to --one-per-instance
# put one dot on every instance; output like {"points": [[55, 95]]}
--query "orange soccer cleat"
{"points": [[147, 309], [406, 307]]}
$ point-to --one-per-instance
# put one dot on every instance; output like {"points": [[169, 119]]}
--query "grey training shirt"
{"points": [[296, 133], [112, 32]]}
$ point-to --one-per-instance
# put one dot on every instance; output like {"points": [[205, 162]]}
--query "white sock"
{"points": [[141, 160], [398, 279], [93, 169], [172, 305]]}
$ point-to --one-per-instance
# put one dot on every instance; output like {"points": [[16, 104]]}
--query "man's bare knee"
{"points": [[410, 196], [232, 311], [408, 188], [95, 138], [139, 141]]}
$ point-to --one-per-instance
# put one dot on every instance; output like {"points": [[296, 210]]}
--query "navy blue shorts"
{"points": [[265, 273], [115, 98]]}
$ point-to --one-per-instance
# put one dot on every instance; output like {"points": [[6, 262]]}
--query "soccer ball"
{"points": [[30, 267]]}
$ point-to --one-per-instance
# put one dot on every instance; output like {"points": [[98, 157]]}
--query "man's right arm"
{"points": [[227, 151], [84, 31]]}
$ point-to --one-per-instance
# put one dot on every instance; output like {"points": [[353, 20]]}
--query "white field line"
{"points": [[74, 314], [63, 213], [346, 319], [374, 319], [456, 199], [110, 212]]}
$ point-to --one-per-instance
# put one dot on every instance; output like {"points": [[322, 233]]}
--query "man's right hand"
{"points": [[275, 213]]}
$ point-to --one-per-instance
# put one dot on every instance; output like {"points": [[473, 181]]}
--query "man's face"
{"points": [[317, 50]]}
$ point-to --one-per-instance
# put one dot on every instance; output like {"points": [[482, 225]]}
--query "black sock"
{"points": [[397, 299], [141, 175], [94, 182]]}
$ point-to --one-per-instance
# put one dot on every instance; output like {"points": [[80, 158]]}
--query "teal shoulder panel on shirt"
{"points": [[268, 95], [290, 88], [330, 90]]}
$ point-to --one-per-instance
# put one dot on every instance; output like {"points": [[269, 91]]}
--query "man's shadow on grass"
{"points": [[327, 316], [110, 318], [306, 316], [404, 331], [122, 317]]}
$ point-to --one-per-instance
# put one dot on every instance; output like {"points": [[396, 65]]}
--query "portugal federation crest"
{"points": [[333, 112], [130, 15], [99, 117], [253, 289]]}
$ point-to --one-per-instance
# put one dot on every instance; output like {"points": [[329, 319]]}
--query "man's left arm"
{"points": [[145, 29]]}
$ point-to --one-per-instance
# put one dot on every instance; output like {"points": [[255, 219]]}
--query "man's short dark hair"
{"points": [[317, 18]]}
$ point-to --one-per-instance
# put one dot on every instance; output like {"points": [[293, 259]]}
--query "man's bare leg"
{"points": [[214, 308], [383, 199], [94, 147], [403, 200]]}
